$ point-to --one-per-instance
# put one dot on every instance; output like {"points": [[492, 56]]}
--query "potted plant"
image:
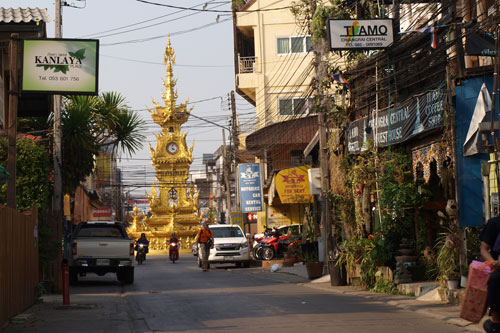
{"points": [[313, 265], [447, 260], [310, 246], [293, 254]]}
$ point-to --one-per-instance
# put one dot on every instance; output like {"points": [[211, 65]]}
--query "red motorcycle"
{"points": [[276, 245], [173, 251]]}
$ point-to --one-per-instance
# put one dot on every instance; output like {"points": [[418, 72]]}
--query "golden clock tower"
{"points": [[172, 202]]}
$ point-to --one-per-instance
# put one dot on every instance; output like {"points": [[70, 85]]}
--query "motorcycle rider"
{"points": [[143, 240], [173, 239], [205, 239]]}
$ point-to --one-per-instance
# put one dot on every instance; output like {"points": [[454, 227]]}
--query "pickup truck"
{"points": [[230, 246], [101, 247]]}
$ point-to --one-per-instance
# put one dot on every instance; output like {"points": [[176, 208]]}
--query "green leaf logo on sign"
{"points": [[59, 63]]}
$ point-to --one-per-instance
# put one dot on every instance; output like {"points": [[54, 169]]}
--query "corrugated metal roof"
{"points": [[23, 15]]}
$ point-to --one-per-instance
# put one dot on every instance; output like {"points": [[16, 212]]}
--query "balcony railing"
{"points": [[247, 64]]}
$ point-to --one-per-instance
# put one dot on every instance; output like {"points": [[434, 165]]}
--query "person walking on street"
{"points": [[205, 242]]}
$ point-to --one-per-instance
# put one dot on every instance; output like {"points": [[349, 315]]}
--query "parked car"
{"points": [[101, 247], [230, 246]]}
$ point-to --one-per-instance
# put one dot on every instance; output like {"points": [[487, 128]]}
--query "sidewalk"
{"points": [[86, 313], [436, 309]]}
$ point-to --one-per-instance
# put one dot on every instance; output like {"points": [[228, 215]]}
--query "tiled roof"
{"points": [[23, 15]]}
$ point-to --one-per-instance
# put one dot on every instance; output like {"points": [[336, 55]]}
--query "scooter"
{"points": [[276, 246], [141, 253], [259, 241], [173, 252]]}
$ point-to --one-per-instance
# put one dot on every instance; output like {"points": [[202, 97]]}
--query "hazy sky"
{"points": [[131, 64]]}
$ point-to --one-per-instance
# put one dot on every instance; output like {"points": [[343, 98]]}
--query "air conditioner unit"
{"points": [[314, 180]]}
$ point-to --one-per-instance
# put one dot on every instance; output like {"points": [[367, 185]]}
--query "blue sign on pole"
{"points": [[250, 183]]}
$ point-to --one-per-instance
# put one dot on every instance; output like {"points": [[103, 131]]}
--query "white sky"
{"points": [[204, 68]]}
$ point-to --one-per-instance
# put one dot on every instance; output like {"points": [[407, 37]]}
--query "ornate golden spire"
{"points": [[169, 53], [169, 95], [170, 115]]}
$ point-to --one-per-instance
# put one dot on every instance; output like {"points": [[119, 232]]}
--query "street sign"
{"points": [[237, 218], [250, 185], [360, 34], [60, 66]]}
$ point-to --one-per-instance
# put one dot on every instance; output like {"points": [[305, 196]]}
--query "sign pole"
{"points": [[12, 121], [57, 199]]}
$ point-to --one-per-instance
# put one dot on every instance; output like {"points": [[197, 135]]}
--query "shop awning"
{"points": [[296, 131]]}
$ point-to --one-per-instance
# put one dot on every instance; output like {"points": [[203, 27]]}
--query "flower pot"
{"points": [[314, 269], [288, 261], [338, 274], [463, 281], [452, 284], [405, 252]]}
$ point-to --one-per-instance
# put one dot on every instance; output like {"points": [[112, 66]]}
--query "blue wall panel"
{"points": [[470, 184]]}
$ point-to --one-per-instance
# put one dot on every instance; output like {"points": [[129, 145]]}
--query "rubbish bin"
{"points": [[337, 274]]}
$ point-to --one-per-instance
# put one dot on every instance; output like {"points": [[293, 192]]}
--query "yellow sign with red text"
{"points": [[292, 185]]}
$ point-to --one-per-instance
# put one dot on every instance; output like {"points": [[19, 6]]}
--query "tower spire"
{"points": [[169, 82]]}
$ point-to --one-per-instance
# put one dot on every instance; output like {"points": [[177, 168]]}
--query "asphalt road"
{"points": [[169, 297]]}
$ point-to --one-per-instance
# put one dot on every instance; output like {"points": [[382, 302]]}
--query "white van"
{"points": [[230, 246]]}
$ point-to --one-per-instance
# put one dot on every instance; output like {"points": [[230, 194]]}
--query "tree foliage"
{"points": [[32, 174], [90, 123]]}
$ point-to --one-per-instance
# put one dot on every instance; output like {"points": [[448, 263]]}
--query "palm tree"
{"points": [[90, 123]]}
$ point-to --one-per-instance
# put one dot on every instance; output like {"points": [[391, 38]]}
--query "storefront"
{"points": [[288, 196]]}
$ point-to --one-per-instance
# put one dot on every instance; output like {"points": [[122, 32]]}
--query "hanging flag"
{"points": [[433, 32], [473, 142], [340, 79]]}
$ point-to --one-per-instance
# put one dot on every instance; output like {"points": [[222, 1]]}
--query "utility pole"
{"points": [[57, 200], [236, 145], [325, 183], [12, 121], [226, 171], [326, 227]]}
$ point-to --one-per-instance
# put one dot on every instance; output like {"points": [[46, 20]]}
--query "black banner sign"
{"points": [[480, 43], [408, 119]]}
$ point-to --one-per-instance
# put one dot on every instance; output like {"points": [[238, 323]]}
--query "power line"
{"points": [[160, 63], [176, 33], [99, 35], [212, 10]]}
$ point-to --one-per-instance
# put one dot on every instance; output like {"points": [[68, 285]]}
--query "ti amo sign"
{"points": [[360, 34]]}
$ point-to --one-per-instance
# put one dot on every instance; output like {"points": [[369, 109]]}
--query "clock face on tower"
{"points": [[172, 148]]}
